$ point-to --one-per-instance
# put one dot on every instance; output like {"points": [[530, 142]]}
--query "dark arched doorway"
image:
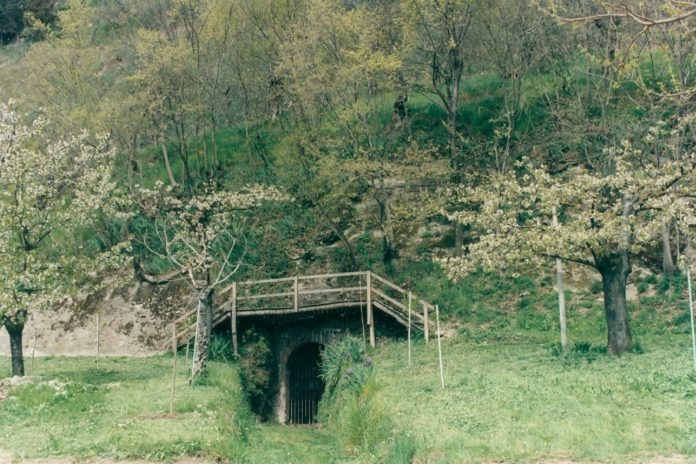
{"points": [[305, 384]]}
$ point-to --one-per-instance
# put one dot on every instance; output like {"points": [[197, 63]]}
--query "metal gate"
{"points": [[305, 383]]}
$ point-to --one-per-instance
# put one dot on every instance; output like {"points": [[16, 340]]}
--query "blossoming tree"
{"points": [[201, 240], [50, 188], [605, 218]]}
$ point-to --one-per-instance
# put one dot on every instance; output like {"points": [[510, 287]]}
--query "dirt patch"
{"points": [[8, 384], [133, 319]]}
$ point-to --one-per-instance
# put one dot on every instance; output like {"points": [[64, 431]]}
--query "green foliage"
{"points": [[351, 405], [11, 20], [596, 287], [220, 348], [256, 368], [118, 408], [402, 449]]}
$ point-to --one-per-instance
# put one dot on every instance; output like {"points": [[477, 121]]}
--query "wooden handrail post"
{"points": [[439, 346], [425, 322], [297, 294], [370, 316], [174, 347], [410, 298], [233, 319]]}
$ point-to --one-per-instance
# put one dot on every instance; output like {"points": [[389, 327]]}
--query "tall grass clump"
{"points": [[352, 407]]}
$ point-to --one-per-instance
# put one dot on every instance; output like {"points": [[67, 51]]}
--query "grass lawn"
{"points": [[516, 401], [511, 400]]}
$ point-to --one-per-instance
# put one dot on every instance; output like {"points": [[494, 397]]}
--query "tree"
{"points": [[201, 240], [440, 45], [50, 188], [11, 20], [339, 69], [605, 219]]}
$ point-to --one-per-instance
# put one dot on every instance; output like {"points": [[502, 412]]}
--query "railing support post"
{"points": [[233, 318], [297, 294], [425, 322], [174, 347], [410, 298], [370, 315]]}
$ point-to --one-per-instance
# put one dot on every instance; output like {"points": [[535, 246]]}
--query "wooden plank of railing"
{"points": [[389, 284], [290, 310], [331, 290], [264, 281], [390, 299], [182, 318], [330, 276], [264, 295], [401, 289]]}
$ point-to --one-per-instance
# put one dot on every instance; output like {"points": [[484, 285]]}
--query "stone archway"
{"points": [[304, 383], [295, 347]]}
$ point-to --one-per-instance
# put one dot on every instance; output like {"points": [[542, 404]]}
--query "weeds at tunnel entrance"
{"points": [[256, 371], [352, 408]]}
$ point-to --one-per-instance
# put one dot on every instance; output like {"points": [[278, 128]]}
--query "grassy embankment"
{"points": [[512, 400]]}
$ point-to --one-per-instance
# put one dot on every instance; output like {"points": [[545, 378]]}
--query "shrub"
{"points": [[596, 287], [256, 365], [351, 406], [220, 348]]}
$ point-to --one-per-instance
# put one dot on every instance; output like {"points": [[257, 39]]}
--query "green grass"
{"points": [[119, 408], [511, 400], [515, 401]]}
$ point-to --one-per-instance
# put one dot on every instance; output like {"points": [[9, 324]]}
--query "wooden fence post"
{"points": [[297, 294], [426, 329], [98, 335], [439, 346], [174, 347], [370, 316], [410, 298], [691, 312], [233, 319]]}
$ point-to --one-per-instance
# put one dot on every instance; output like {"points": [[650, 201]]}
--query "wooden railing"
{"points": [[321, 292]]}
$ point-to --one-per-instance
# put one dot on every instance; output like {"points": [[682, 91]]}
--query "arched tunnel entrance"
{"points": [[305, 385], [292, 386]]}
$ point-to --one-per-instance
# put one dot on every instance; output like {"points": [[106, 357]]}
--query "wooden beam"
{"points": [[425, 322], [233, 319], [264, 296], [297, 294], [174, 348], [389, 299], [439, 347], [370, 315], [330, 276], [332, 290], [410, 299]]}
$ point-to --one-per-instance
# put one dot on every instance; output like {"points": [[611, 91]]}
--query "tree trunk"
{"points": [[561, 294], [168, 165], [615, 269], [201, 350], [667, 261], [458, 239], [15, 329], [389, 251]]}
